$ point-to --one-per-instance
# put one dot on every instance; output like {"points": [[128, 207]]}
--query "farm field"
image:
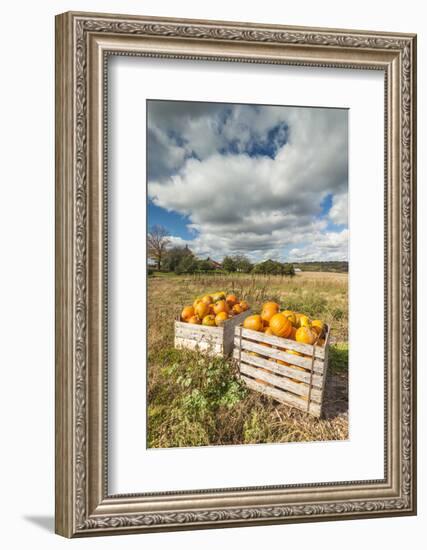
{"points": [[195, 400]]}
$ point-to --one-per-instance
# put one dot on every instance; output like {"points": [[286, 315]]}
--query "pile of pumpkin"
{"points": [[213, 309], [286, 324]]}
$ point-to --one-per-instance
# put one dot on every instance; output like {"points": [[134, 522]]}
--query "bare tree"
{"points": [[157, 243]]}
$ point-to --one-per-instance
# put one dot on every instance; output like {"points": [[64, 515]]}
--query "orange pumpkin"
{"points": [[237, 309], [207, 299], [253, 322], [268, 331], [187, 313], [280, 325], [220, 318], [268, 310], [304, 321], [221, 307], [318, 326], [244, 305], [218, 296], [195, 320], [201, 309], [209, 321], [290, 315], [196, 301], [280, 362], [305, 335], [292, 334], [231, 300]]}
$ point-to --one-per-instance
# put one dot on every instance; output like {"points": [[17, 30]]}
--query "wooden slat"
{"points": [[279, 369], [283, 396], [202, 329], [303, 362], [211, 347], [229, 327], [284, 383], [228, 342], [305, 349], [200, 336], [327, 338], [208, 337]]}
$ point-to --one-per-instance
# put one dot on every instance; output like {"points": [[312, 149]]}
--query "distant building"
{"points": [[297, 270], [214, 264]]}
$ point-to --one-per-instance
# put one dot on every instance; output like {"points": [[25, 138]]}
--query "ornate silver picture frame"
{"points": [[84, 42]]}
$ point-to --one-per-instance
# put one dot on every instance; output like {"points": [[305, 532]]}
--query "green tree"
{"points": [[188, 264], [269, 267], [259, 268], [289, 270], [204, 265], [242, 264], [229, 264], [173, 257]]}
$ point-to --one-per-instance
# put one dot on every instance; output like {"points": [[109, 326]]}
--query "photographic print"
{"points": [[202, 302], [247, 274]]}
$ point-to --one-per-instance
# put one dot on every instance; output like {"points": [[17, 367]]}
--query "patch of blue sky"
{"points": [[175, 223], [267, 146], [177, 138], [232, 148], [334, 227], [276, 138], [325, 207]]}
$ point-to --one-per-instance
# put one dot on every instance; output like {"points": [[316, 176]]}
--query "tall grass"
{"points": [[195, 399]]}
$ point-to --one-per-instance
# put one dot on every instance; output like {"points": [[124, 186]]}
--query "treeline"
{"points": [[334, 267], [182, 260], [268, 267], [175, 259]]}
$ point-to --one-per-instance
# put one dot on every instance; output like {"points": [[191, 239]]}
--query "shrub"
{"points": [[188, 264], [202, 385], [229, 264]]}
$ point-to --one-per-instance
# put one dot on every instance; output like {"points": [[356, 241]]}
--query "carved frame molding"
{"points": [[83, 43]]}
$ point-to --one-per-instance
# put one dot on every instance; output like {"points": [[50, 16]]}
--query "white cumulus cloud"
{"points": [[252, 179], [339, 210]]}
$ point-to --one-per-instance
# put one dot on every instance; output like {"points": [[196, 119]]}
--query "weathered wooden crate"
{"points": [[266, 366], [216, 340]]}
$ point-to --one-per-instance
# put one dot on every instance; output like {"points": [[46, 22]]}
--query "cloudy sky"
{"points": [[267, 182]]}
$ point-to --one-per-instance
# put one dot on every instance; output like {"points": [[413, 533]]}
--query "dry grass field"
{"points": [[194, 399]]}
